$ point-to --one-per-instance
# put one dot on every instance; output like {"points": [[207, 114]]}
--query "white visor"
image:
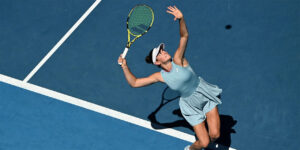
{"points": [[155, 51]]}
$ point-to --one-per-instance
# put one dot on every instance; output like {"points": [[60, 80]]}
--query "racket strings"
{"points": [[140, 19]]}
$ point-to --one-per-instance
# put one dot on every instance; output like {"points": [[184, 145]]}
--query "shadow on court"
{"points": [[227, 122]]}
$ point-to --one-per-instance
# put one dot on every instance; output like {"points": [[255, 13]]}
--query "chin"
{"points": [[170, 58]]}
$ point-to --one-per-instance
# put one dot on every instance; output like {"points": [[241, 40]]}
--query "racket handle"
{"points": [[124, 53]]}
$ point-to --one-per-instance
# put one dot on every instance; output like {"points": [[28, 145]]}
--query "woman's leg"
{"points": [[214, 123], [202, 135]]}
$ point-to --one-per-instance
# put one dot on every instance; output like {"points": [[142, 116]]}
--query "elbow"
{"points": [[133, 85], [132, 82], [185, 35]]}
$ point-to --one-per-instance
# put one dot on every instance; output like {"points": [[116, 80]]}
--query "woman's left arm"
{"points": [[179, 54]]}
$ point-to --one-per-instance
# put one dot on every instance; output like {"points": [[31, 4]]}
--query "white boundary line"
{"points": [[61, 41], [93, 107], [96, 108]]}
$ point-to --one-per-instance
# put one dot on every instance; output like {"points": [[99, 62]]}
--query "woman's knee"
{"points": [[202, 144], [215, 134]]}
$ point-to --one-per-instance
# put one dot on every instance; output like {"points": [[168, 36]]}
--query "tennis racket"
{"points": [[139, 21]]}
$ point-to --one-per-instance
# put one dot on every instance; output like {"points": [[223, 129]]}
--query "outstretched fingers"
{"points": [[175, 12]]}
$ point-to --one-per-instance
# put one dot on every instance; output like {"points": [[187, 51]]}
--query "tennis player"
{"points": [[199, 99]]}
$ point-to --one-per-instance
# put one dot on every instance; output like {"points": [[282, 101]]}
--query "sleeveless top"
{"points": [[181, 79]]}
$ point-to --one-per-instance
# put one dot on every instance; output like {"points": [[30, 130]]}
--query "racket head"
{"points": [[140, 20]]}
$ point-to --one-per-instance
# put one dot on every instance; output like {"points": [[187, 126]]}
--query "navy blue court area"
{"points": [[248, 48], [33, 121]]}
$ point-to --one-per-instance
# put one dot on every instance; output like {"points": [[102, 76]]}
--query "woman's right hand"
{"points": [[122, 61]]}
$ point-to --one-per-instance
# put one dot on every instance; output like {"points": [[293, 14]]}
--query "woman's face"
{"points": [[163, 56]]}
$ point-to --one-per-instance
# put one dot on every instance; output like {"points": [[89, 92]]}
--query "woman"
{"points": [[199, 99]]}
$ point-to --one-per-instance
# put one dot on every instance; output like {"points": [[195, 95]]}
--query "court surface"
{"points": [[61, 86]]}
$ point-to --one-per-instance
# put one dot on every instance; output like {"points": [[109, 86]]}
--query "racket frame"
{"points": [[129, 43]]}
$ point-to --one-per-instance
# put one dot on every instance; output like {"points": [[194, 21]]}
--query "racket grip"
{"points": [[124, 53]]}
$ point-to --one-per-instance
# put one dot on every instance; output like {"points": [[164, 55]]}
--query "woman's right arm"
{"points": [[138, 82]]}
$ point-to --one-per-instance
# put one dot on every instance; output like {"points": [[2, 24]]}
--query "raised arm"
{"points": [[179, 54], [138, 82]]}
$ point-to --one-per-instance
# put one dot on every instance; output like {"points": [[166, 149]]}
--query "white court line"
{"points": [[96, 108], [93, 107], [61, 41]]}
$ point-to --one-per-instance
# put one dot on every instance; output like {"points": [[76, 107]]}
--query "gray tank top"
{"points": [[181, 79]]}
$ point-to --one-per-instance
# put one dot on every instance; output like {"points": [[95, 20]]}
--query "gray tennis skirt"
{"points": [[201, 101]]}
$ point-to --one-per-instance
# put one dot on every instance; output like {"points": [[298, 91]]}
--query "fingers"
{"points": [[171, 8], [121, 61], [170, 12], [175, 12]]}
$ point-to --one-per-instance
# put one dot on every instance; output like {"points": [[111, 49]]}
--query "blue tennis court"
{"points": [[61, 86]]}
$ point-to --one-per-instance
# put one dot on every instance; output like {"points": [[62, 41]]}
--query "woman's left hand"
{"points": [[175, 12]]}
